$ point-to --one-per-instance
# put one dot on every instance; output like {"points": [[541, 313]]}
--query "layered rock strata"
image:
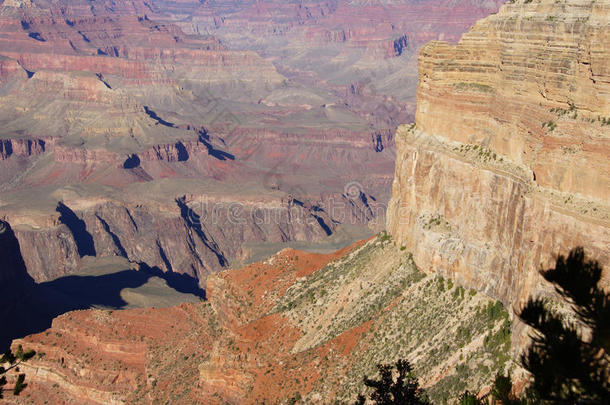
{"points": [[507, 164], [298, 325]]}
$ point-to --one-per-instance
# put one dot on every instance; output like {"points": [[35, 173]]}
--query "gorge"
{"points": [[504, 167]]}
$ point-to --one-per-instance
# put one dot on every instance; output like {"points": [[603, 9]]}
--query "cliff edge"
{"points": [[507, 163]]}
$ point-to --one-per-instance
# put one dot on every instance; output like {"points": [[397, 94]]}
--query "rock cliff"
{"points": [[507, 164]]}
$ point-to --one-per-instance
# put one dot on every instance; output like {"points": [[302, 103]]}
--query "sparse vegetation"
{"points": [[388, 390], [481, 152], [435, 221], [406, 311], [463, 86], [10, 362], [550, 125], [384, 236]]}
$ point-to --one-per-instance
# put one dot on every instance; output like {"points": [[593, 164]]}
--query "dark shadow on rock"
{"points": [[27, 307], [14, 282], [155, 117], [14, 278], [83, 239], [115, 238], [168, 264], [193, 221], [180, 282], [84, 37], [314, 209], [183, 154], [204, 138], [38, 305], [131, 162], [29, 73], [323, 225], [36, 36], [378, 142]]}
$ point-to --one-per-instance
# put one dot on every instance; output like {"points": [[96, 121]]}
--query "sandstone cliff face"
{"points": [[531, 64], [49, 252], [196, 235], [507, 163]]}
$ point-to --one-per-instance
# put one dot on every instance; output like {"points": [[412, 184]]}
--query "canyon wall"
{"points": [[507, 164], [194, 235]]}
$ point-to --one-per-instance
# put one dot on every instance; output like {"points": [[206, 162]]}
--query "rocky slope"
{"points": [[507, 162], [299, 325]]}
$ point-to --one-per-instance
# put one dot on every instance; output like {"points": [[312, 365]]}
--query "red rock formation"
{"points": [[298, 323], [133, 354]]}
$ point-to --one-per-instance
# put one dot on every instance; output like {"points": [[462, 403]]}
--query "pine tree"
{"points": [[468, 398], [403, 390], [567, 367], [14, 360]]}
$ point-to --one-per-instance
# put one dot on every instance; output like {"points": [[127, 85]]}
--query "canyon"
{"points": [[98, 99], [504, 167], [189, 137]]}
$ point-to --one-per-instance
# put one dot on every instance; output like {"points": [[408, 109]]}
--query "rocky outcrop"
{"points": [[9, 69], [532, 84], [94, 368], [21, 147], [197, 235], [296, 325], [48, 252], [506, 165], [69, 154]]}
